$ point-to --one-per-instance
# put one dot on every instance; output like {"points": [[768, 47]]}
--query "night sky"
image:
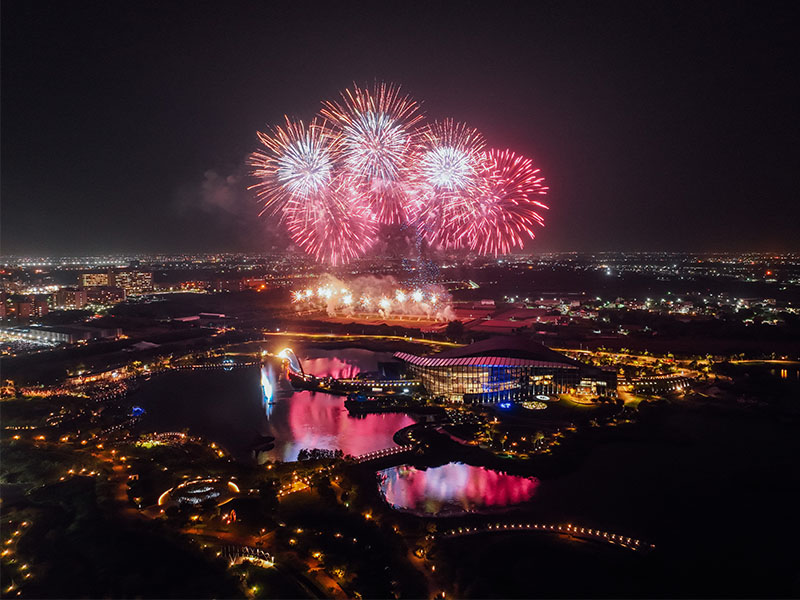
{"points": [[659, 125]]}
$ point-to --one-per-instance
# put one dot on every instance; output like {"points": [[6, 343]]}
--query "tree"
{"points": [[268, 494], [455, 330]]}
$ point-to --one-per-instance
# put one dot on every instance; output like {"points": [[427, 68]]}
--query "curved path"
{"points": [[568, 529]]}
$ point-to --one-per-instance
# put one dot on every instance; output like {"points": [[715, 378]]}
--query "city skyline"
{"points": [[657, 129]]}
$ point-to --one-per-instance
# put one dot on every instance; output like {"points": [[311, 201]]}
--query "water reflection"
{"points": [[233, 408], [331, 367], [453, 488], [309, 420], [786, 373], [303, 419], [267, 388]]}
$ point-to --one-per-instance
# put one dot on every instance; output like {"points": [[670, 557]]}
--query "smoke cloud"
{"points": [[374, 296]]}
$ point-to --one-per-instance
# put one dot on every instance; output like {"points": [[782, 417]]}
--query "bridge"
{"points": [[294, 363], [378, 454], [224, 366], [391, 386], [383, 387], [571, 530]]}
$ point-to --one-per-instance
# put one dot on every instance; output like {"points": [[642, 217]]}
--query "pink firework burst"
{"points": [[376, 131], [447, 180], [334, 227], [508, 209], [366, 161]]}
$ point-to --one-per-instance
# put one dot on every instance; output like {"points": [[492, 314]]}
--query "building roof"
{"points": [[479, 361], [511, 351]]}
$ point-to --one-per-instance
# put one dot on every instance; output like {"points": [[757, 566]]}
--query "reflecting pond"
{"points": [[453, 488]]}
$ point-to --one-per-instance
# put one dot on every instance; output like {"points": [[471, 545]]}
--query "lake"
{"points": [[228, 407]]}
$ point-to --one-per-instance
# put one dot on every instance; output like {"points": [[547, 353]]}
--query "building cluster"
{"points": [[21, 301], [664, 266], [23, 308], [680, 288], [115, 285], [594, 313]]}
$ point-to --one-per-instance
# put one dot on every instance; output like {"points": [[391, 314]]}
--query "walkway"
{"points": [[570, 530]]}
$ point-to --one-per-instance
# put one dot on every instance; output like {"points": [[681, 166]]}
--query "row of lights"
{"points": [[8, 552], [384, 452], [613, 538]]}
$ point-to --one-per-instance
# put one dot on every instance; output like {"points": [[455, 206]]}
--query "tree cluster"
{"points": [[319, 454]]}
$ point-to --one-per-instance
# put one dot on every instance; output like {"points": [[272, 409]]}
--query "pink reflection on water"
{"points": [[309, 420], [454, 487], [330, 367]]}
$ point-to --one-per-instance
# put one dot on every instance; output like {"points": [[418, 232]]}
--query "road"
{"points": [[349, 338]]}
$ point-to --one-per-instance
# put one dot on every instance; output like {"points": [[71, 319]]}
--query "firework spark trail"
{"points": [[367, 160], [507, 210]]}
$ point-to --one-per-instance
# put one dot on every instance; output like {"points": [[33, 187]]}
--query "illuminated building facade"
{"points": [[505, 370], [97, 279], [105, 295], [40, 306], [131, 281], [70, 297], [134, 282]]}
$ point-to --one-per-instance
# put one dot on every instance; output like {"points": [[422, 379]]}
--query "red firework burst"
{"points": [[507, 211]]}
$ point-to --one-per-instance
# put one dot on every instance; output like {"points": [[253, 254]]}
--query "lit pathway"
{"points": [[571, 530], [378, 454], [348, 337]]}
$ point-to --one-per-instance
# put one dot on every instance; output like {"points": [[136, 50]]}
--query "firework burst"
{"points": [[295, 162], [507, 211], [334, 227], [377, 132], [367, 160], [447, 181]]}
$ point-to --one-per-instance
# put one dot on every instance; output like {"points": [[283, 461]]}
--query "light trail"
{"points": [[350, 337]]}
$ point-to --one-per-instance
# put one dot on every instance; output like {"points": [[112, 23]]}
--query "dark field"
{"points": [[716, 492]]}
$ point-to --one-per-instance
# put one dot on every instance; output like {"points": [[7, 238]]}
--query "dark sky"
{"points": [[659, 125]]}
